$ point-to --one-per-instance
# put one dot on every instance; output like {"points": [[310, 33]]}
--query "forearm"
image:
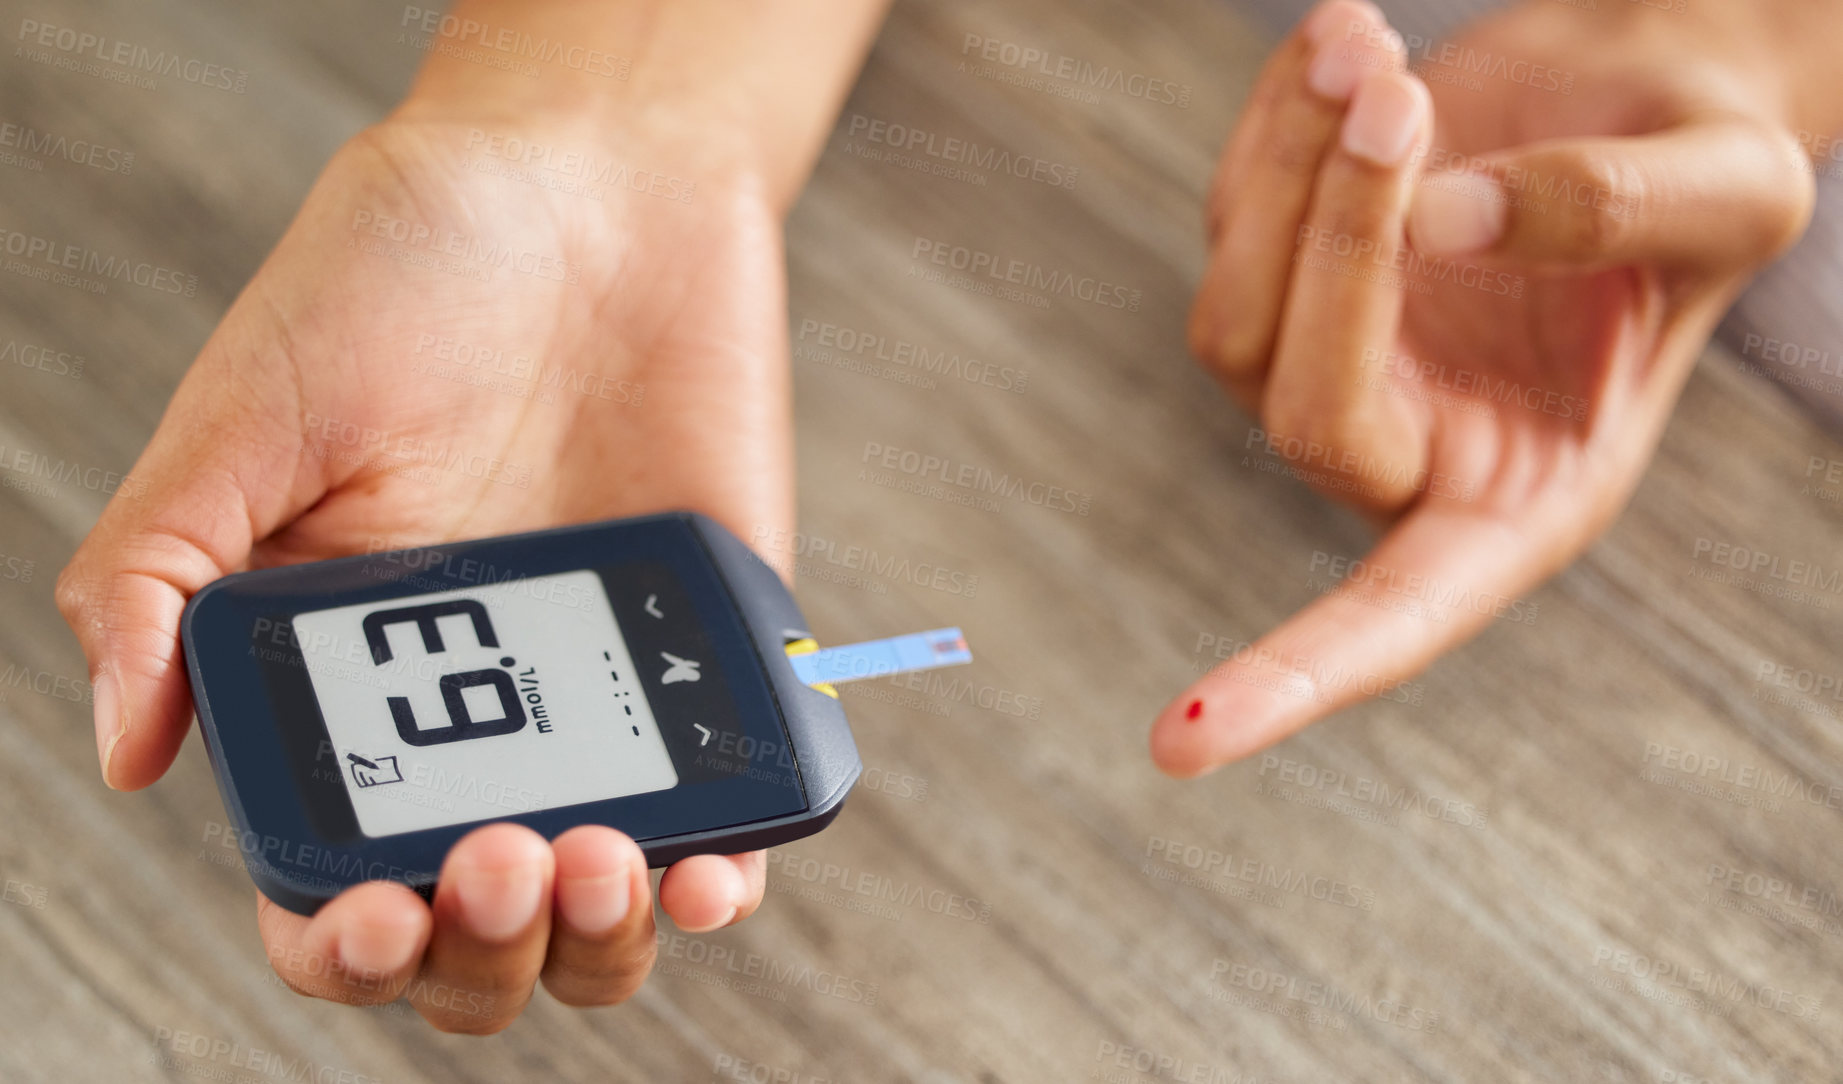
{"points": [[736, 85]]}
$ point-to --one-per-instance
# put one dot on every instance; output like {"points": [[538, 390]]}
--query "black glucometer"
{"points": [[362, 714]]}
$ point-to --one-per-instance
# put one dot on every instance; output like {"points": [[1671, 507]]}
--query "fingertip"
{"points": [[1180, 746], [141, 723], [703, 893], [1389, 118], [380, 928], [500, 846], [1334, 17], [594, 850], [1456, 214], [1233, 714], [110, 726], [596, 887], [499, 875]]}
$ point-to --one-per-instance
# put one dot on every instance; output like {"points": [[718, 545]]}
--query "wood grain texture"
{"points": [[1040, 930]]}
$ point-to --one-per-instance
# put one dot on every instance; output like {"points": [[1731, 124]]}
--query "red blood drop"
{"points": [[1194, 710]]}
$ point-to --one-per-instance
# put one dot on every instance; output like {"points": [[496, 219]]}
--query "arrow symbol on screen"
{"points": [[704, 730]]}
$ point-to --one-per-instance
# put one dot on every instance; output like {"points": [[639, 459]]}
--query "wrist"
{"points": [[720, 92]]}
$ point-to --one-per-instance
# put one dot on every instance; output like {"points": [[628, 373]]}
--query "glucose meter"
{"points": [[651, 674]]}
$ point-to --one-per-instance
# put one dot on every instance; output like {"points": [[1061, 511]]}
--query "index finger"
{"points": [[1435, 581]]}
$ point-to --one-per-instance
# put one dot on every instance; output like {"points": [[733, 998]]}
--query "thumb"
{"points": [[1713, 191], [204, 489]]}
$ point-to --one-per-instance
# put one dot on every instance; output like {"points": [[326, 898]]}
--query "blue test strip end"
{"points": [[882, 658]]}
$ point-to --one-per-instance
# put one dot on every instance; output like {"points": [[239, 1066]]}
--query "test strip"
{"points": [[881, 658]]}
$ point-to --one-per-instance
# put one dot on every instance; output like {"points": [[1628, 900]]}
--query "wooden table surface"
{"points": [[1521, 876]]}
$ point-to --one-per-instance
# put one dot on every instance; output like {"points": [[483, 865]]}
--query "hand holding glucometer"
{"points": [[651, 675]]}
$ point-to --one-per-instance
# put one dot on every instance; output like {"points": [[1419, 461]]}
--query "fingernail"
{"points": [[1336, 69], [594, 905], [109, 723], [369, 949], [497, 904], [1344, 19], [1456, 213], [1382, 122], [734, 895]]}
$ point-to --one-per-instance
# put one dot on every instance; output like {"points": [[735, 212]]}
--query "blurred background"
{"points": [[1598, 843]]}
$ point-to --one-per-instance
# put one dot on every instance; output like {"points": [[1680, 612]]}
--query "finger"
{"points": [[492, 928], [1283, 69], [361, 949], [219, 472], [1344, 301], [1438, 578], [1718, 191], [709, 891], [601, 941], [1268, 172]]}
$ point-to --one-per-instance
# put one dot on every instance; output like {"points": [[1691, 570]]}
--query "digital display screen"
{"points": [[481, 703]]}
